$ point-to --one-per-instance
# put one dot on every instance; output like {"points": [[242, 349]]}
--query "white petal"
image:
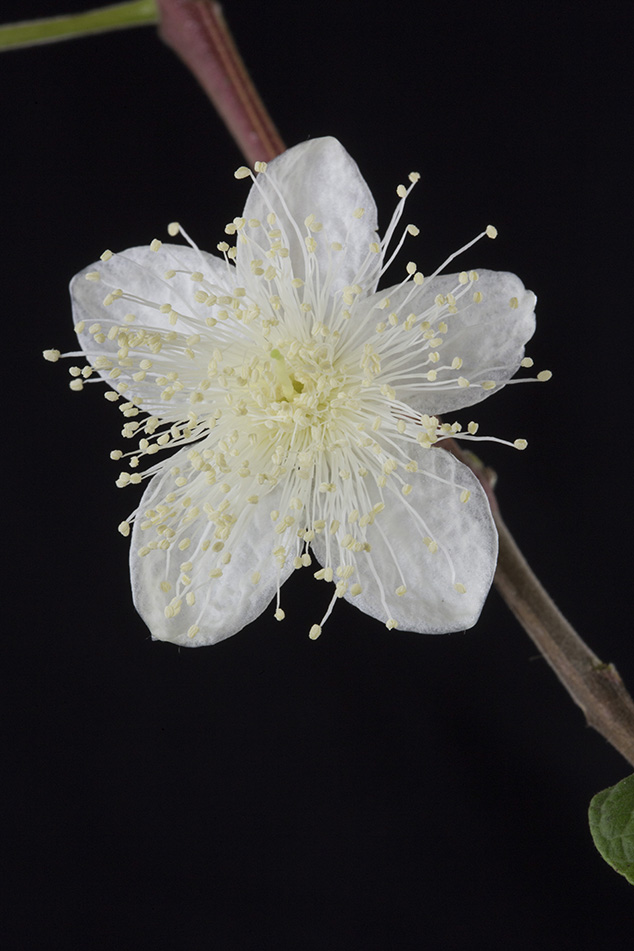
{"points": [[223, 605], [316, 178], [141, 272], [488, 337], [467, 550]]}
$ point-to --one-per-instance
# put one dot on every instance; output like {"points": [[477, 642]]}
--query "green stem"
{"points": [[117, 17]]}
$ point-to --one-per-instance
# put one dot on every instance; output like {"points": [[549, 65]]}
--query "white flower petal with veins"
{"points": [[302, 404]]}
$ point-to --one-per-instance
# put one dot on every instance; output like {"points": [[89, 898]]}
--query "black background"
{"points": [[372, 789]]}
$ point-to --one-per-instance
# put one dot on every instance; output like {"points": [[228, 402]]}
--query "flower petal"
{"points": [[488, 337], [317, 178], [432, 512], [141, 274], [224, 604]]}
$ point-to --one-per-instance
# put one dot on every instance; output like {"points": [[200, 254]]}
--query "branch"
{"points": [[197, 32], [595, 686]]}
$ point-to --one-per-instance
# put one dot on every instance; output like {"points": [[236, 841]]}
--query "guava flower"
{"points": [[291, 410]]}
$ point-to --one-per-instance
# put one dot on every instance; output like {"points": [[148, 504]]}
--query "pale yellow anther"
{"points": [[520, 444], [279, 614], [391, 624], [460, 588], [488, 384], [355, 589], [255, 577], [544, 375], [242, 172], [477, 297], [462, 381], [401, 590], [314, 632], [51, 355], [527, 362], [465, 495], [514, 303], [401, 191], [413, 230], [414, 177], [93, 276], [491, 231], [155, 245], [260, 167]]}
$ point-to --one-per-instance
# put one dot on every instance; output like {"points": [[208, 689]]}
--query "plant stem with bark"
{"points": [[197, 31]]}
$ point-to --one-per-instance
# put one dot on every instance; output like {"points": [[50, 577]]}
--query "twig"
{"points": [[196, 30], [595, 686]]}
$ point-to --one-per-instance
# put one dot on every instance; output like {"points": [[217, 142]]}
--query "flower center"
{"points": [[302, 400]]}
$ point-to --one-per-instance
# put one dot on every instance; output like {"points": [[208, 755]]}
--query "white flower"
{"points": [[302, 405]]}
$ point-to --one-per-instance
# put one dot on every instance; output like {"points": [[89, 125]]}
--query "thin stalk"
{"points": [[120, 16], [198, 33], [196, 30], [594, 686]]}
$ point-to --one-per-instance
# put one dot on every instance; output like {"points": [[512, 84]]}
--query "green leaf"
{"points": [[611, 817], [117, 17]]}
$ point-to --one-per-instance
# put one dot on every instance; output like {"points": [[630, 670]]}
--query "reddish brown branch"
{"points": [[197, 32], [596, 687]]}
